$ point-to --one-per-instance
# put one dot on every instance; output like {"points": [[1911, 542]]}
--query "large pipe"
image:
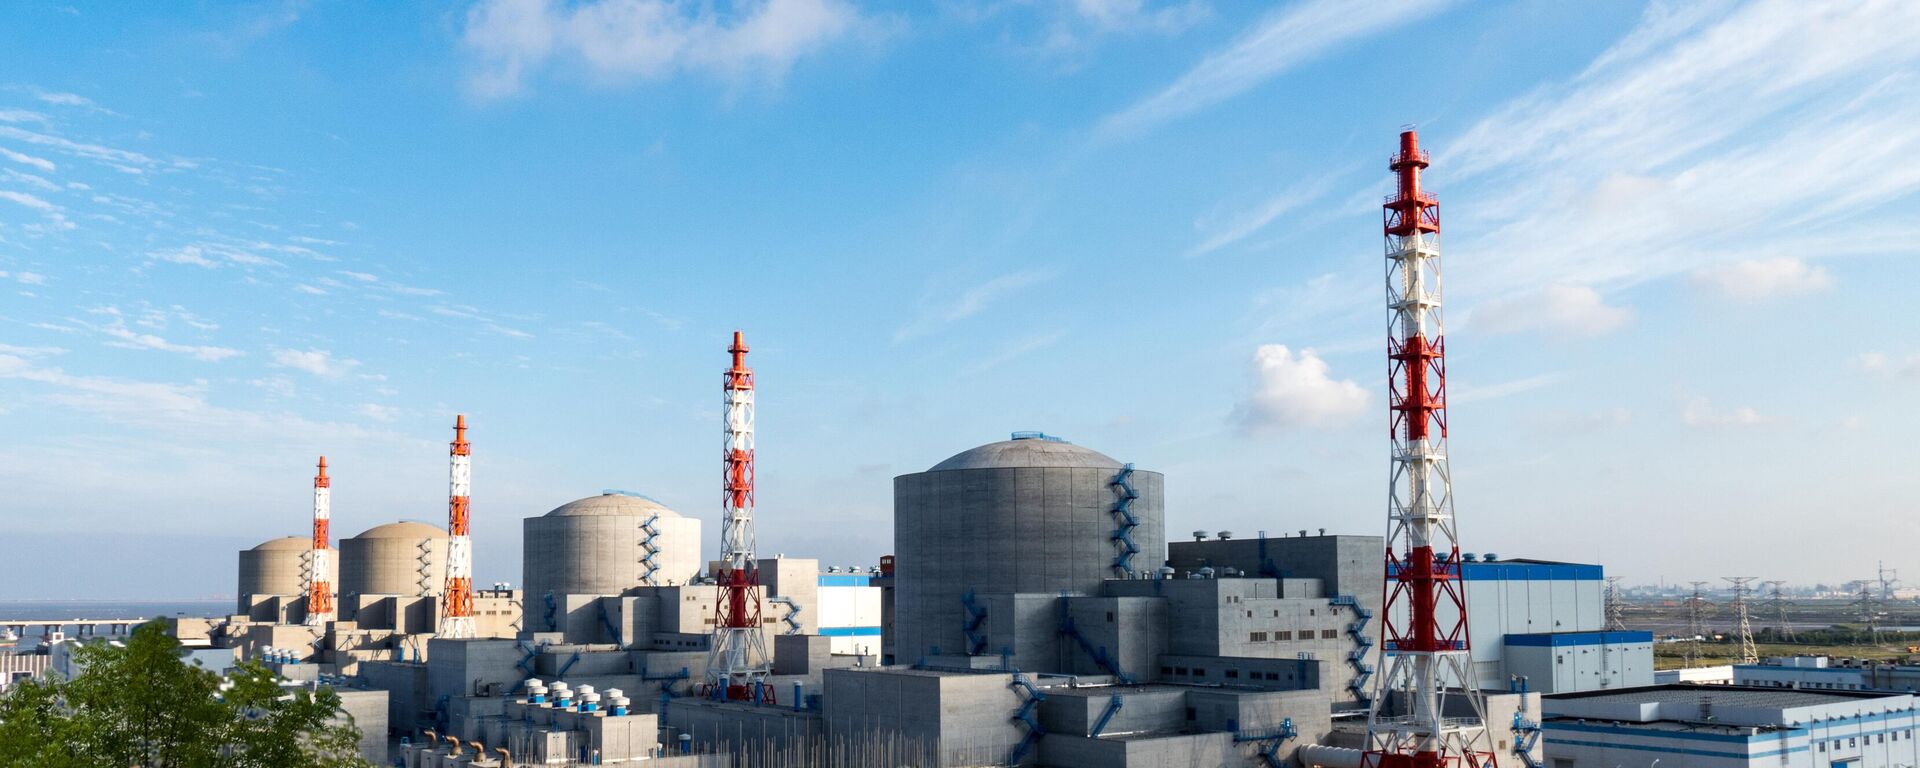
{"points": [[1312, 755], [454, 743], [506, 758]]}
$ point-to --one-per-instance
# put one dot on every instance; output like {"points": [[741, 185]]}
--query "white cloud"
{"points": [[1471, 394], [1284, 39], [970, 302], [30, 278], [648, 39], [187, 254], [23, 159], [1882, 364], [127, 338], [1566, 310], [379, 412], [27, 200], [309, 290], [1700, 412], [1294, 391], [1763, 278], [318, 362], [66, 99]]}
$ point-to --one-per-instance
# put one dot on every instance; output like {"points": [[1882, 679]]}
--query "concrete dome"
{"points": [[406, 558], [1025, 451], [276, 567], [605, 545], [612, 504], [405, 529]]}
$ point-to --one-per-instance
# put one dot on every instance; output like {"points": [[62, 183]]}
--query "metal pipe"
{"points": [[1311, 755], [454, 742], [506, 758]]}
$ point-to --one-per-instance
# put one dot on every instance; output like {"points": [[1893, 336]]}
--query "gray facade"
{"points": [[405, 558], [1019, 516]]}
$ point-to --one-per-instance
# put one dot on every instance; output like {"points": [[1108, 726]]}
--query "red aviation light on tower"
{"points": [[1425, 611], [456, 615], [737, 664], [319, 562]]}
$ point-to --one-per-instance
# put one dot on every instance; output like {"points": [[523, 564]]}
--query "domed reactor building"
{"points": [[1030, 515]]}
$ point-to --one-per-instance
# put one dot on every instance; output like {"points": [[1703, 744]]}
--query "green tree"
{"points": [[139, 704]]}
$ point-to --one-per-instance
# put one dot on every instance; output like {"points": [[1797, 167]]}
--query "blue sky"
{"points": [[238, 236]]}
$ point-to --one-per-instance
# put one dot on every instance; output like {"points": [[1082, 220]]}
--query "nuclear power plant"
{"points": [[1033, 611]]}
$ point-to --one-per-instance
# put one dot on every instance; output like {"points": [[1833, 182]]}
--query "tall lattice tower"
{"points": [[1889, 581], [1868, 610], [1697, 609], [1616, 604], [456, 615], [737, 664], [1744, 626], [319, 561], [1776, 606], [1425, 614]]}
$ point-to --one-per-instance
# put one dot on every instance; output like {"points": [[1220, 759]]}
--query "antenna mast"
{"points": [[737, 664], [1425, 615], [456, 616], [319, 565]]}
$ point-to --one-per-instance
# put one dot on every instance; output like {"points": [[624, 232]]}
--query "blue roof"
{"points": [[844, 579], [1566, 639], [1523, 571], [850, 631]]}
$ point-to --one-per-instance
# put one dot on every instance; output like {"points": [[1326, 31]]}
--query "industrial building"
{"points": [[1726, 726]]}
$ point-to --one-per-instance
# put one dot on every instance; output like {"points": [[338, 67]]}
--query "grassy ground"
{"points": [[1673, 655]]}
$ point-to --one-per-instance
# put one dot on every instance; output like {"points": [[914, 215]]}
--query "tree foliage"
{"points": [[139, 704]]}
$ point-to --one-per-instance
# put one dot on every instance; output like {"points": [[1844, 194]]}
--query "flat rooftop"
{"points": [[1720, 696]]}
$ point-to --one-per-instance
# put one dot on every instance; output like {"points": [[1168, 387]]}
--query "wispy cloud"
{"points": [[1015, 350], [1715, 134], [1700, 412], [1759, 279], [25, 159], [115, 328], [1283, 40], [1473, 394], [318, 362], [1565, 310], [939, 312], [1241, 225], [648, 39]]}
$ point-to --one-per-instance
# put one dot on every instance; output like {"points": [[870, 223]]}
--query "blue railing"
{"points": [[649, 565], [606, 621], [1100, 657], [1357, 631], [1270, 741], [792, 616]]}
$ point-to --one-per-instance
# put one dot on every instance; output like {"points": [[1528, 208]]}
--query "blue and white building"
{"points": [[1820, 673], [1545, 621], [850, 613], [1725, 726]]}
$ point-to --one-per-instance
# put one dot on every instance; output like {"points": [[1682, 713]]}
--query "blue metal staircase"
{"points": [[1106, 717], [1026, 716], [1357, 631], [791, 617], [976, 617], [1124, 521], [1100, 657], [649, 565], [1270, 741]]}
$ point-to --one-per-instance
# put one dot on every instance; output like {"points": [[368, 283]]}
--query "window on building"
{"points": [[1199, 672], [1256, 637], [1823, 746], [1881, 739], [1233, 673], [1329, 634], [1166, 670], [1109, 617], [1181, 671], [1285, 634], [1851, 742]]}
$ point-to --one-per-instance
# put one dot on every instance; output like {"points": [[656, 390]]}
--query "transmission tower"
{"points": [[1425, 616], [1776, 607], [1866, 608], [319, 562], [456, 615], [1889, 581], [1748, 654], [1616, 606], [1697, 606]]}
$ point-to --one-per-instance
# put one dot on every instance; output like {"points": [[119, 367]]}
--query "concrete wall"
{"points": [[408, 707], [965, 716], [1582, 666], [1001, 531], [389, 565], [472, 668], [798, 580], [367, 710]]}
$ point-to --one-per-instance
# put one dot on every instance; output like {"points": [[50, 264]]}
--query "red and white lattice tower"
{"points": [[737, 665], [456, 614], [319, 562], [1414, 721]]}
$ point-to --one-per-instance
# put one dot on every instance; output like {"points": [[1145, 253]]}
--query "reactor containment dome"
{"points": [[1033, 514], [606, 545]]}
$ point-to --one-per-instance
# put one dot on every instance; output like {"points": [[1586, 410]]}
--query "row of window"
{"points": [[1281, 636], [1231, 674], [1880, 738]]}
